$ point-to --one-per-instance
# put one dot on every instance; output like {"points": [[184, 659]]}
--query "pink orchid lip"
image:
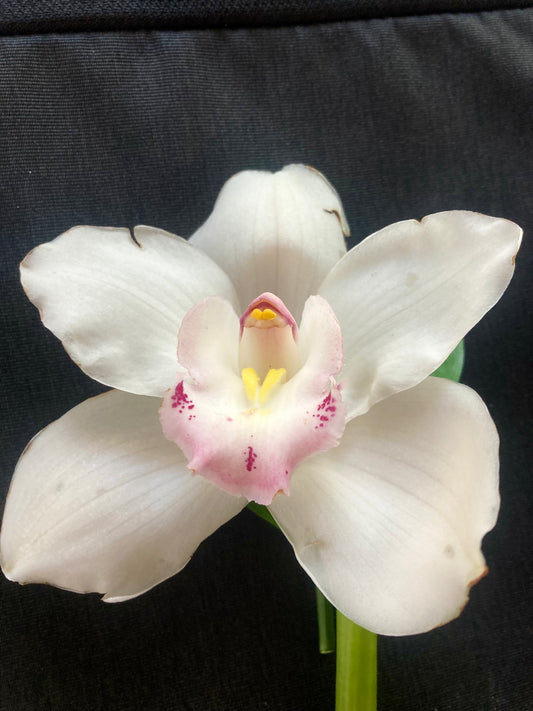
{"points": [[246, 414], [275, 304]]}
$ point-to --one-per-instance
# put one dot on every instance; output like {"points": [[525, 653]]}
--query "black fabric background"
{"points": [[81, 15], [406, 116]]}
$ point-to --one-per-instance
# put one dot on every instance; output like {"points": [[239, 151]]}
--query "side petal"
{"points": [[389, 524], [321, 343], [117, 304], [102, 502], [407, 295], [278, 233], [208, 343]]}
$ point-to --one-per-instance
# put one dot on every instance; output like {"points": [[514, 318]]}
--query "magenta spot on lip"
{"points": [[328, 403], [180, 399], [250, 459], [325, 410]]}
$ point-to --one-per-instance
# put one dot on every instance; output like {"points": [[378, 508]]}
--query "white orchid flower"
{"points": [[300, 382]]}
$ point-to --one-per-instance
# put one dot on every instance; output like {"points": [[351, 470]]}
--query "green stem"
{"points": [[326, 623], [356, 684]]}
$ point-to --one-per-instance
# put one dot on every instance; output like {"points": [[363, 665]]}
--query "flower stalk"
{"points": [[326, 623], [356, 680]]}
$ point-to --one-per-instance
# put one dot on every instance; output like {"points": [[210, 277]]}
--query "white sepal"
{"points": [[117, 304], [101, 502], [389, 524], [278, 233]]}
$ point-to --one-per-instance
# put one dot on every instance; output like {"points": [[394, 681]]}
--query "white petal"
{"points": [[208, 342], [278, 232], [102, 502], [389, 524], [407, 295], [117, 305]]}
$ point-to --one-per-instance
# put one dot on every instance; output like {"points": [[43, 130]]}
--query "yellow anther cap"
{"points": [[265, 315]]}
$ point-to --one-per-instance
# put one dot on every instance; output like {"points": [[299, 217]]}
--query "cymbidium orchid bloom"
{"points": [[292, 374]]}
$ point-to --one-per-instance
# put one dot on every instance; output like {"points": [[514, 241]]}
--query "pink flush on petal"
{"points": [[270, 405]]}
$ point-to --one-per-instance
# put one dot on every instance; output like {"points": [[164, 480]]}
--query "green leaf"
{"points": [[453, 365], [262, 512]]}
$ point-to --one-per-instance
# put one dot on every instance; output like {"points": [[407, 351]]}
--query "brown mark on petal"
{"points": [[312, 544], [134, 239], [471, 584], [342, 220], [314, 170], [469, 587], [344, 227], [483, 573], [26, 448]]}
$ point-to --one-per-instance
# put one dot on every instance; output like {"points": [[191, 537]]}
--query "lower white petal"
{"points": [[389, 524], [102, 502]]}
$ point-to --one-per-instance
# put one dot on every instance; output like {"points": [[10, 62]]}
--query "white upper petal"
{"points": [[278, 232], [102, 502], [407, 295], [389, 524], [117, 305]]}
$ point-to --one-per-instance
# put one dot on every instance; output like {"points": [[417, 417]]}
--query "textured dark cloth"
{"points": [[406, 116], [81, 15]]}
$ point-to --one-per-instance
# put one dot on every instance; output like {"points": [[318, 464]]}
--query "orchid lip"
{"points": [[256, 402]]}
